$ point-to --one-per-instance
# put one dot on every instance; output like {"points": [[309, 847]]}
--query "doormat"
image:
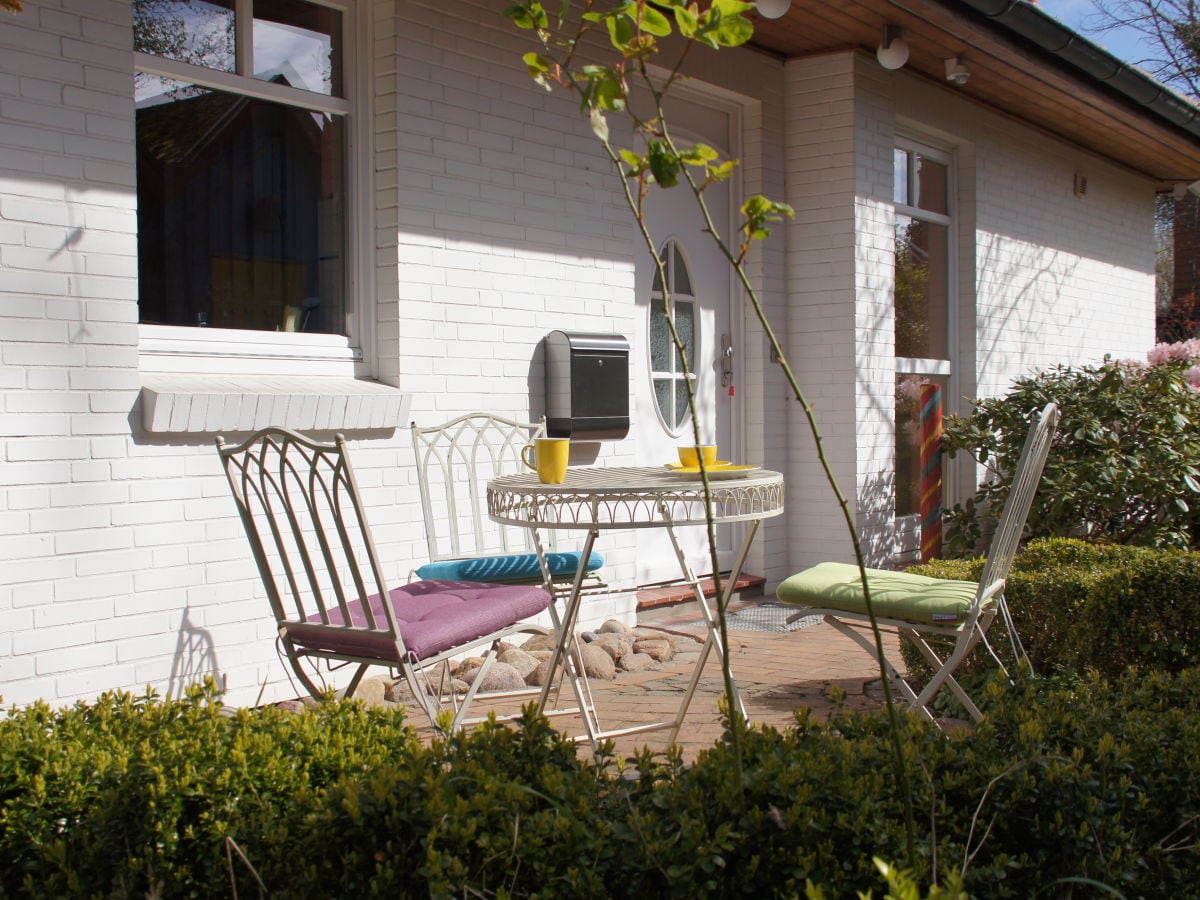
{"points": [[766, 616]]}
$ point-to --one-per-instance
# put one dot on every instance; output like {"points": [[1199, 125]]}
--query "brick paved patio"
{"points": [[776, 673]]}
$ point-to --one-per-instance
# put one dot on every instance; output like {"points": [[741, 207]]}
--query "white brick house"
{"points": [[470, 214]]}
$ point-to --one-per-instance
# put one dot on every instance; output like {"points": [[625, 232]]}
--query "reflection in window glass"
{"points": [[919, 405], [667, 373], [920, 181], [921, 289], [931, 185], [900, 176], [240, 212], [298, 44], [199, 32]]}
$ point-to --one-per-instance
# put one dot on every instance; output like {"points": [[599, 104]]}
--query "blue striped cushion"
{"points": [[518, 567]]}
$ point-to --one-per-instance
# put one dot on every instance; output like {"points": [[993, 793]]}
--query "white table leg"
{"points": [[561, 655], [713, 639]]}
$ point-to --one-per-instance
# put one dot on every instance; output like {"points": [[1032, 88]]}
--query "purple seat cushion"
{"points": [[433, 616]]}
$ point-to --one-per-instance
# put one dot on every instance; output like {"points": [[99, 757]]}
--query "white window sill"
{"points": [[216, 404]]}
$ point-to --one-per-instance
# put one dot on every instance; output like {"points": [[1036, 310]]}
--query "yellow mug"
{"points": [[551, 455], [691, 456]]}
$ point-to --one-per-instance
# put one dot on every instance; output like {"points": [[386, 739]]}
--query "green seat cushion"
{"points": [[894, 595]]}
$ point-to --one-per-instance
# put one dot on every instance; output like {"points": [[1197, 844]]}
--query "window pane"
{"points": [[682, 277], [660, 337], [199, 32], [921, 289], [685, 326], [662, 396], [241, 220], [681, 406], [298, 44], [900, 176], [931, 186], [919, 405]]}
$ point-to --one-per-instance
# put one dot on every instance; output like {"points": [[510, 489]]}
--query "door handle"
{"points": [[726, 360]]}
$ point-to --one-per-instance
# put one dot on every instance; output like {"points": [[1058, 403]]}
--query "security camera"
{"points": [[956, 71]]}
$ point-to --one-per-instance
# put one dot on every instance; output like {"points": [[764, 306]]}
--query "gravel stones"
{"points": [[612, 648]]}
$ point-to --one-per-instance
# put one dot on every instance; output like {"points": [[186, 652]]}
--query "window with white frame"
{"points": [[923, 198], [243, 120], [666, 366]]}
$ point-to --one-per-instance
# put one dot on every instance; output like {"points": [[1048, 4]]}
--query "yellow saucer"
{"points": [[718, 472], [680, 467]]}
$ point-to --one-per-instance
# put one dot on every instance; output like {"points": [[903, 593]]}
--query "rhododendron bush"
{"points": [[1124, 468]]}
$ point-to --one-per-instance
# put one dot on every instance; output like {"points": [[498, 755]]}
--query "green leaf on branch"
{"points": [[698, 155], [664, 165], [528, 15], [621, 29], [723, 24], [758, 211], [637, 164], [538, 66], [723, 171], [686, 19], [604, 89], [655, 22]]}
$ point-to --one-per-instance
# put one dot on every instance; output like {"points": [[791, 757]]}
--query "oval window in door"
{"points": [[666, 366]]}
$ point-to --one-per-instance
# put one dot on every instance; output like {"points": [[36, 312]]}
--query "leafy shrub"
{"points": [[132, 796], [1078, 605], [1124, 468], [1067, 783]]}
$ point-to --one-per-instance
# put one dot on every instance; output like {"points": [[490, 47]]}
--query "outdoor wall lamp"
{"points": [[956, 71], [773, 9], [893, 50]]}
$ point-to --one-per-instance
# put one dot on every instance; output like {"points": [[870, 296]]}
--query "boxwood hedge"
{"points": [[1066, 783]]}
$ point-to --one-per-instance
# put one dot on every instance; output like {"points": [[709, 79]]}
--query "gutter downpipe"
{"points": [[1028, 21]]}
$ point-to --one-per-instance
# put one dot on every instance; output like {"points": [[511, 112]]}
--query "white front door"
{"points": [[699, 280]]}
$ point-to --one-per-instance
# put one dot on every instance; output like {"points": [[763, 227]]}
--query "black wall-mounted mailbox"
{"points": [[587, 386]]}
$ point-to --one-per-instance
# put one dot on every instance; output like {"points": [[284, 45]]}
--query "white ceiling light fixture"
{"points": [[773, 9], [956, 71], [893, 50]]}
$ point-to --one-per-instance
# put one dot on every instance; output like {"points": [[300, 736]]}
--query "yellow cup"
{"points": [[551, 458], [691, 456]]}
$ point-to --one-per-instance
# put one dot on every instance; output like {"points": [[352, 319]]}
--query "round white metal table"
{"points": [[599, 499]]}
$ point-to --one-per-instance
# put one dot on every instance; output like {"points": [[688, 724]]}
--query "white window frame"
{"points": [[907, 527], [180, 349]]}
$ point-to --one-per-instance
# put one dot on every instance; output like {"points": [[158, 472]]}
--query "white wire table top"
{"points": [[646, 497]]}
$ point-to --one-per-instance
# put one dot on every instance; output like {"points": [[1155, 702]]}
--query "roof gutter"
{"points": [[1028, 21]]}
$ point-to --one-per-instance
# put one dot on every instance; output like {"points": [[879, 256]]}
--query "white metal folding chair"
{"points": [[307, 527], [919, 607], [455, 461]]}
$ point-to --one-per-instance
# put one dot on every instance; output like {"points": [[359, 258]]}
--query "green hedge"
{"points": [[1079, 605], [1064, 784]]}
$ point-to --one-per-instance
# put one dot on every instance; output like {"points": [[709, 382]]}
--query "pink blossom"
{"points": [[1189, 349], [1186, 350]]}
